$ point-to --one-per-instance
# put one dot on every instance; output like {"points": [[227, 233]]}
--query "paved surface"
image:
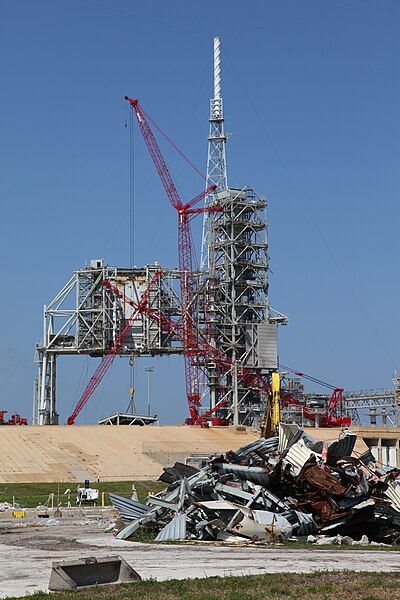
{"points": [[62, 453], [26, 554]]}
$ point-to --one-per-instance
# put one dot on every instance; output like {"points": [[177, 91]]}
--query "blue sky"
{"points": [[312, 95]]}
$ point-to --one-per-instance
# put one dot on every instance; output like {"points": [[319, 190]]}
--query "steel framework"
{"points": [[216, 160], [387, 400], [234, 261], [236, 312], [85, 319]]}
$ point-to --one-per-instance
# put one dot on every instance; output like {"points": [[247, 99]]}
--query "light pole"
{"points": [[148, 370]]}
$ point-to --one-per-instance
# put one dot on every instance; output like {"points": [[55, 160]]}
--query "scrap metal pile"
{"points": [[285, 487]]}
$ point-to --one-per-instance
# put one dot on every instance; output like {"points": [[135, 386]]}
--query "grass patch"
{"points": [[30, 495], [313, 586]]}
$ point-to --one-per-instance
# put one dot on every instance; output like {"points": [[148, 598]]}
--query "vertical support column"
{"points": [[235, 395], [46, 411], [52, 390], [35, 401]]}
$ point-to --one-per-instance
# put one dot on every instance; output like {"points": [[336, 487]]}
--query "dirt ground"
{"points": [[27, 549]]}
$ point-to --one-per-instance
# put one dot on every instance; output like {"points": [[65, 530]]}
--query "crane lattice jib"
{"points": [[184, 254], [155, 153]]}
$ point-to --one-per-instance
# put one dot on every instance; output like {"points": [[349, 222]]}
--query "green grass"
{"points": [[313, 586], [30, 495]]}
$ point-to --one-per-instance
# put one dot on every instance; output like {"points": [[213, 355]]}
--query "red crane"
{"points": [[329, 418], [184, 211], [198, 345], [201, 348]]}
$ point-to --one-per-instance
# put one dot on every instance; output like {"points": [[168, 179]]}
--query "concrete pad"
{"points": [[26, 555]]}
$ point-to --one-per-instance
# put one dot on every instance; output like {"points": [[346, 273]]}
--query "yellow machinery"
{"points": [[272, 414]]}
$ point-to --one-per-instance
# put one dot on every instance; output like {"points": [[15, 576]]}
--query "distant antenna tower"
{"points": [[216, 161]]}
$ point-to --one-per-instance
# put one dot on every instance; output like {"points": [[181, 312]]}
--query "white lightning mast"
{"points": [[216, 161]]}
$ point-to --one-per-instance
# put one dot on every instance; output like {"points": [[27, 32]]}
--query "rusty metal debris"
{"points": [[289, 486]]}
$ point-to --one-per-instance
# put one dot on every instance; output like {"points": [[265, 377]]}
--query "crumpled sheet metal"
{"points": [[128, 509], [393, 493], [261, 525], [261, 493], [343, 447], [322, 480], [256, 475], [302, 523], [177, 472], [298, 455], [286, 434], [174, 530], [155, 511], [262, 448]]}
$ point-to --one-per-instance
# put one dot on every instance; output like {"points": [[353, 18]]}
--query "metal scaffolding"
{"points": [[236, 315], [383, 404], [85, 318]]}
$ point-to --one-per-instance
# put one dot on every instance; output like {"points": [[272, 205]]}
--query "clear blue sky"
{"points": [[312, 94]]}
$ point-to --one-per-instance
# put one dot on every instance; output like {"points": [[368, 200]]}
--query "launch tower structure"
{"points": [[235, 262]]}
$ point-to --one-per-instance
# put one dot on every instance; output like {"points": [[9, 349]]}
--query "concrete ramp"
{"points": [[111, 453]]}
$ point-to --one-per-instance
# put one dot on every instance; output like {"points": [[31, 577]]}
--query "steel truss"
{"points": [[85, 318], [216, 159], [236, 314], [387, 400]]}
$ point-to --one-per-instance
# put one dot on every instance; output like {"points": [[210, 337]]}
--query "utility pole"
{"points": [[148, 370]]}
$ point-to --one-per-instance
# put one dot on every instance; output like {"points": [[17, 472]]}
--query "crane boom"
{"points": [[185, 254]]}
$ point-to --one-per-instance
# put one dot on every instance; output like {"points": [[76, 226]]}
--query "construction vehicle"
{"points": [[332, 417], [86, 494], [15, 419]]}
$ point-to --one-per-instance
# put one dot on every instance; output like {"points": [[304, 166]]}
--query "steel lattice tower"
{"points": [[216, 160], [237, 316]]}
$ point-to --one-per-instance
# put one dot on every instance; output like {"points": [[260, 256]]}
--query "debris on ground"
{"points": [[286, 487]]}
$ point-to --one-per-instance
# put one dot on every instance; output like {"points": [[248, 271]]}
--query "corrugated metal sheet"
{"points": [[343, 447], [268, 345], [286, 433], [393, 493], [153, 511], [174, 530], [262, 447], [128, 509], [298, 455]]}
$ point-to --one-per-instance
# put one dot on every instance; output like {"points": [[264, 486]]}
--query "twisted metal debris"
{"points": [[285, 487]]}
